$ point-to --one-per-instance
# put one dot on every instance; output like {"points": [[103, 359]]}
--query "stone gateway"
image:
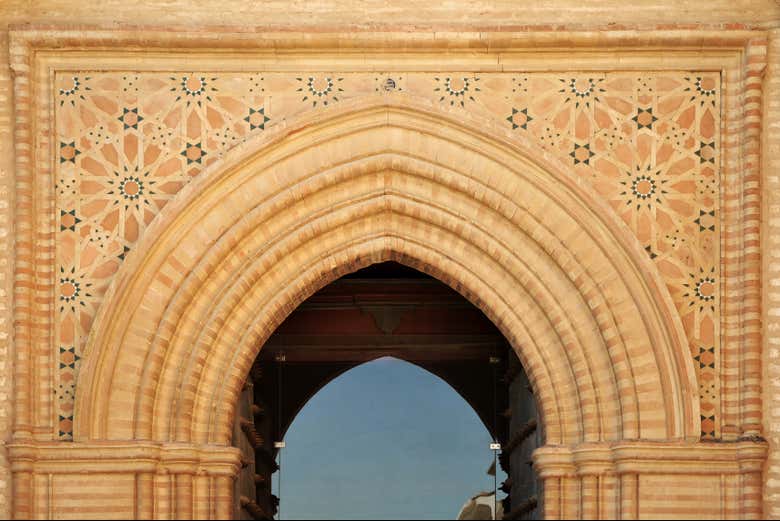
{"points": [[602, 183]]}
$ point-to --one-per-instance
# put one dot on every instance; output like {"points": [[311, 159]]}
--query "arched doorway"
{"points": [[388, 310], [390, 179]]}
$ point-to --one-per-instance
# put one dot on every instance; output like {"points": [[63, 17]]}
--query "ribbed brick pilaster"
{"points": [[6, 272]]}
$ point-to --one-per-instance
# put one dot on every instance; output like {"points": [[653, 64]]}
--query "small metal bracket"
{"points": [[279, 445], [280, 357], [495, 446], [494, 360]]}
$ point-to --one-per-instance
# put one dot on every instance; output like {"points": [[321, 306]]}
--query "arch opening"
{"points": [[389, 312]]}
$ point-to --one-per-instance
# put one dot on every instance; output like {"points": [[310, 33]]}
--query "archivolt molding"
{"points": [[378, 179]]}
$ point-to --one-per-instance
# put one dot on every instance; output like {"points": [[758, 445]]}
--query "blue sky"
{"points": [[385, 440]]}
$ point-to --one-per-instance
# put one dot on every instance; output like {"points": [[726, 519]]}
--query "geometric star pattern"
{"points": [[647, 142]]}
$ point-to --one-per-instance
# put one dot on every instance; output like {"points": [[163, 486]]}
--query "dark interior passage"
{"points": [[386, 310]]}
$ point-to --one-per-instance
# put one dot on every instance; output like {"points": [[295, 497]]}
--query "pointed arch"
{"points": [[387, 178]]}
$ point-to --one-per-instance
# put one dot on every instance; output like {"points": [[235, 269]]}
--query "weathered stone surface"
{"points": [[381, 13]]}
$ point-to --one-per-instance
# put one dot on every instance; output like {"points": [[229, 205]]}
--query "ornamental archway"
{"points": [[389, 178]]}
